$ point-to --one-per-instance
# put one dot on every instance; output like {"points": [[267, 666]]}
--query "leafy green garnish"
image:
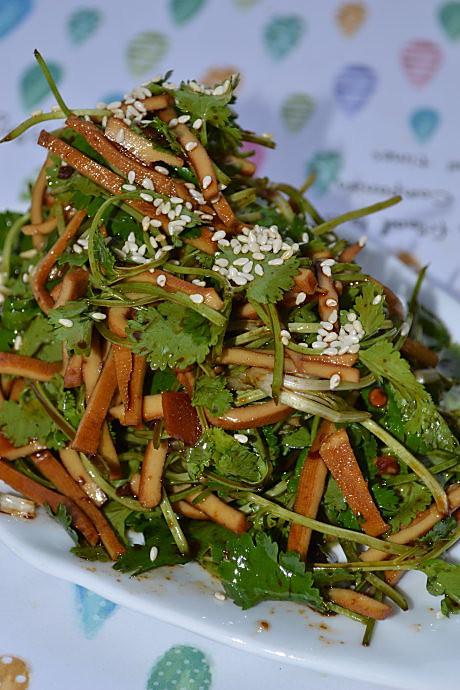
{"points": [[25, 420], [63, 517], [371, 315], [218, 450], [300, 438], [171, 335], [76, 335], [276, 280], [414, 498], [91, 553], [117, 515], [442, 530], [444, 578], [211, 392], [336, 507], [253, 570]]}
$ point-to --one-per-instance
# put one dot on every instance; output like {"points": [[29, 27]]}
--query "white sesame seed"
{"points": [[326, 270], [131, 176], [331, 350], [300, 298], [157, 202], [153, 553], [67, 323], [200, 283], [276, 262], [331, 302], [405, 328], [148, 184], [98, 316], [333, 316], [241, 438], [77, 249], [154, 223], [353, 349], [190, 146], [240, 279], [129, 187], [220, 596], [258, 269], [197, 298], [158, 254], [161, 280], [362, 241], [145, 196], [258, 256], [328, 262], [207, 180], [377, 299], [305, 237], [221, 262], [197, 124], [334, 381], [318, 345], [28, 254], [327, 325], [145, 223], [183, 119], [330, 337], [162, 170], [284, 333], [83, 242], [17, 342], [173, 122], [322, 332], [219, 235], [351, 317], [247, 268]]}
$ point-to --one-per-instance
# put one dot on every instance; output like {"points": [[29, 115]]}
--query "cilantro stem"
{"points": [[352, 215], [51, 83], [192, 270], [389, 591], [173, 524], [298, 327], [308, 182], [332, 530], [278, 364], [45, 117], [348, 613], [411, 461], [315, 405], [10, 241], [51, 410], [103, 484], [178, 298], [370, 625]]}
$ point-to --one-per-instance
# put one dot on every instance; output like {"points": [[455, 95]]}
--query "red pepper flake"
{"points": [[378, 397], [386, 464]]}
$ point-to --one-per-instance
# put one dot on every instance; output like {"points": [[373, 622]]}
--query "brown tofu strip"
{"points": [[220, 512], [151, 482], [43, 496], [360, 603], [55, 472], [28, 367], [88, 434], [341, 462], [309, 492]]}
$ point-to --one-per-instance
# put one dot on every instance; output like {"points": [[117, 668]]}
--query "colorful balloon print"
{"points": [[449, 17], [33, 86], [354, 86], [181, 667], [145, 51], [350, 17], [282, 34], [14, 673], [12, 13], [244, 4], [182, 11], [297, 110], [421, 59], [424, 123], [327, 166], [92, 610], [82, 24]]}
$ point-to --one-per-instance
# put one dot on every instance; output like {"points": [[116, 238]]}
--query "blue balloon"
{"points": [[93, 610], [354, 86], [12, 13], [424, 123]]}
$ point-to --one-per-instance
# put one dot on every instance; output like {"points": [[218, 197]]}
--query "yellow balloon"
{"points": [[350, 17]]}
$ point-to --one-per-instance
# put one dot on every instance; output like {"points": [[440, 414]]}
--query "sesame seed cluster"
{"points": [[251, 247]]}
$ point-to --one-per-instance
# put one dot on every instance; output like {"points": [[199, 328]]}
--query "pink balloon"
{"points": [[421, 59]]}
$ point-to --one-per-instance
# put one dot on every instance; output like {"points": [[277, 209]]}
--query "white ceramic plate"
{"points": [[415, 649]]}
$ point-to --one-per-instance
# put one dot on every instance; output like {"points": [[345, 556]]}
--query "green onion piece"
{"points": [[352, 215], [51, 410], [349, 614], [411, 461], [387, 590], [54, 115]]}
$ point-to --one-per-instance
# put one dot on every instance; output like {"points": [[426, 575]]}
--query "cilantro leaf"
{"points": [[63, 517], [300, 438], [276, 280], [442, 530], [444, 578], [211, 392], [371, 315], [336, 507], [253, 570], [136, 559], [25, 420], [386, 498], [228, 457], [418, 410], [117, 515], [77, 336], [415, 498], [38, 333], [91, 553], [171, 335]]}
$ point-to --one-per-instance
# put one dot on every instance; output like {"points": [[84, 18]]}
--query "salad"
{"points": [[195, 367]]}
